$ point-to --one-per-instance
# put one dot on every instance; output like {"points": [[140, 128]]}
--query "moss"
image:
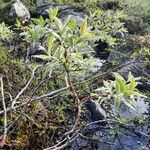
{"points": [[4, 10], [3, 55], [14, 72]]}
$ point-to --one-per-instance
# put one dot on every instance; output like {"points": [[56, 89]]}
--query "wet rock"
{"points": [[19, 11], [95, 111]]}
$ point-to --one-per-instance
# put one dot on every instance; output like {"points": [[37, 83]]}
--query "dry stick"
{"points": [[35, 99], [3, 140], [26, 86]]}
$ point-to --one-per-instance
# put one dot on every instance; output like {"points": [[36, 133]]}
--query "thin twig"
{"points": [[35, 99], [26, 86], [3, 140]]}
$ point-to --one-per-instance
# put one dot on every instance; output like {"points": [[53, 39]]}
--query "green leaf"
{"points": [[87, 35], [44, 57], [139, 94], [117, 75], [131, 103], [50, 44], [121, 84], [84, 26], [72, 24], [58, 23], [41, 21], [53, 12], [55, 34], [120, 80], [18, 23], [128, 93], [66, 22], [132, 84], [117, 88], [117, 103]]}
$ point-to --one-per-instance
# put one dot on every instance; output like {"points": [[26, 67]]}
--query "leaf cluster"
{"points": [[5, 32], [122, 91]]}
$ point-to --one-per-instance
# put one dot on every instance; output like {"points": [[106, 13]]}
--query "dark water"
{"points": [[132, 137]]}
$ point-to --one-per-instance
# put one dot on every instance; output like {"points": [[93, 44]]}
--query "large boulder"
{"points": [[19, 11]]}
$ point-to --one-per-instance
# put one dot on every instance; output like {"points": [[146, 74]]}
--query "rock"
{"points": [[142, 108], [64, 12], [120, 55], [96, 112], [101, 50], [138, 65], [78, 16], [44, 11], [40, 3], [19, 11], [138, 69], [37, 49]]}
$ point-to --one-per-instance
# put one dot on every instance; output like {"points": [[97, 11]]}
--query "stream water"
{"points": [[132, 137]]}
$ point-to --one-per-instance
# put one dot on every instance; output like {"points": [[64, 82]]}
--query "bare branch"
{"points": [[26, 86], [3, 140]]}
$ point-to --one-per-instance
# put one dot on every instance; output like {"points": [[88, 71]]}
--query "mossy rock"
{"points": [[5, 6]]}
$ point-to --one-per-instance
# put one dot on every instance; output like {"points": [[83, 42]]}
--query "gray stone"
{"points": [[77, 16], [120, 55], [138, 69], [81, 142], [96, 112], [36, 49], [64, 12], [19, 11], [45, 10], [40, 3]]}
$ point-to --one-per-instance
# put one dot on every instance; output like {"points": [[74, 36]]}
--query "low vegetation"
{"points": [[49, 70]]}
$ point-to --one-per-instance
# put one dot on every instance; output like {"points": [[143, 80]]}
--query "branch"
{"points": [[3, 140], [77, 100], [26, 86], [64, 143]]}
